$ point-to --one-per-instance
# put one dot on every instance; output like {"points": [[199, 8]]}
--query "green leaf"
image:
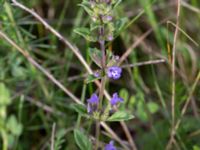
{"points": [[85, 6], [141, 113], [132, 102], [4, 95], [84, 32], [153, 107], [196, 147], [82, 140], [80, 109], [96, 56], [94, 26], [124, 93], [91, 78], [59, 139], [120, 116], [13, 125], [120, 24], [116, 3]]}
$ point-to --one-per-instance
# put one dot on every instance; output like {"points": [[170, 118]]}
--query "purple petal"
{"points": [[93, 99], [110, 146]]}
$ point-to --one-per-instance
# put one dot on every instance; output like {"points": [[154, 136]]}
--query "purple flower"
{"points": [[92, 103], [93, 99], [114, 72], [116, 99], [110, 37], [96, 74], [109, 18], [107, 1], [110, 146]]}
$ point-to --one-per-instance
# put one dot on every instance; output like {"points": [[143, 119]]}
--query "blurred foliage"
{"points": [[30, 103]]}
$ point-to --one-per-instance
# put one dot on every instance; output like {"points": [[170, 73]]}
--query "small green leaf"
{"points": [[91, 78], [94, 26], [59, 139], [141, 113], [124, 93], [120, 116], [116, 3], [153, 107], [14, 127], [132, 102], [85, 32], [120, 24], [96, 56], [85, 6], [82, 140], [80, 109], [4, 95]]}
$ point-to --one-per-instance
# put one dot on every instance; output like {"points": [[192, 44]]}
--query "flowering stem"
{"points": [[103, 80], [103, 63]]}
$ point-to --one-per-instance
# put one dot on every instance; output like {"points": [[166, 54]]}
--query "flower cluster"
{"points": [[93, 102], [114, 72], [101, 12]]}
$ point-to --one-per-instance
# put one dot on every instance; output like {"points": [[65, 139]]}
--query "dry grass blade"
{"points": [[174, 74]]}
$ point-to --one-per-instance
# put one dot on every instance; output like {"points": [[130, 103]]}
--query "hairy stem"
{"points": [[103, 80]]}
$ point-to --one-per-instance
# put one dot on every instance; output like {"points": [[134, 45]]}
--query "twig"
{"points": [[114, 135], [174, 73], [135, 44], [128, 135], [183, 111], [144, 63], [192, 8], [53, 136]]}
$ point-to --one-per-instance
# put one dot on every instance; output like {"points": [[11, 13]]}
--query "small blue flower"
{"points": [[93, 99], [110, 146], [96, 74], [108, 18], [110, 38], [93, 103], [116, 99], [114, 72]]}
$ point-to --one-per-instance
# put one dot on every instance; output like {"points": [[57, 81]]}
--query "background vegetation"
{"points": [[32, 106]]}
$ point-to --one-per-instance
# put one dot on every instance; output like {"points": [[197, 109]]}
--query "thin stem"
{"points": [[103, 80], [103, 63], [53, 136], [97, 134], [174, 76], [174, 66], [5, 141]]}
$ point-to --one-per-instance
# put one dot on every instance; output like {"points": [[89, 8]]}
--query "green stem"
{"points": [[82, 100], [5, 141]]}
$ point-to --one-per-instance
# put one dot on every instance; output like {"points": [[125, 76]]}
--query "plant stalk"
{"points": [[103, 80]]}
